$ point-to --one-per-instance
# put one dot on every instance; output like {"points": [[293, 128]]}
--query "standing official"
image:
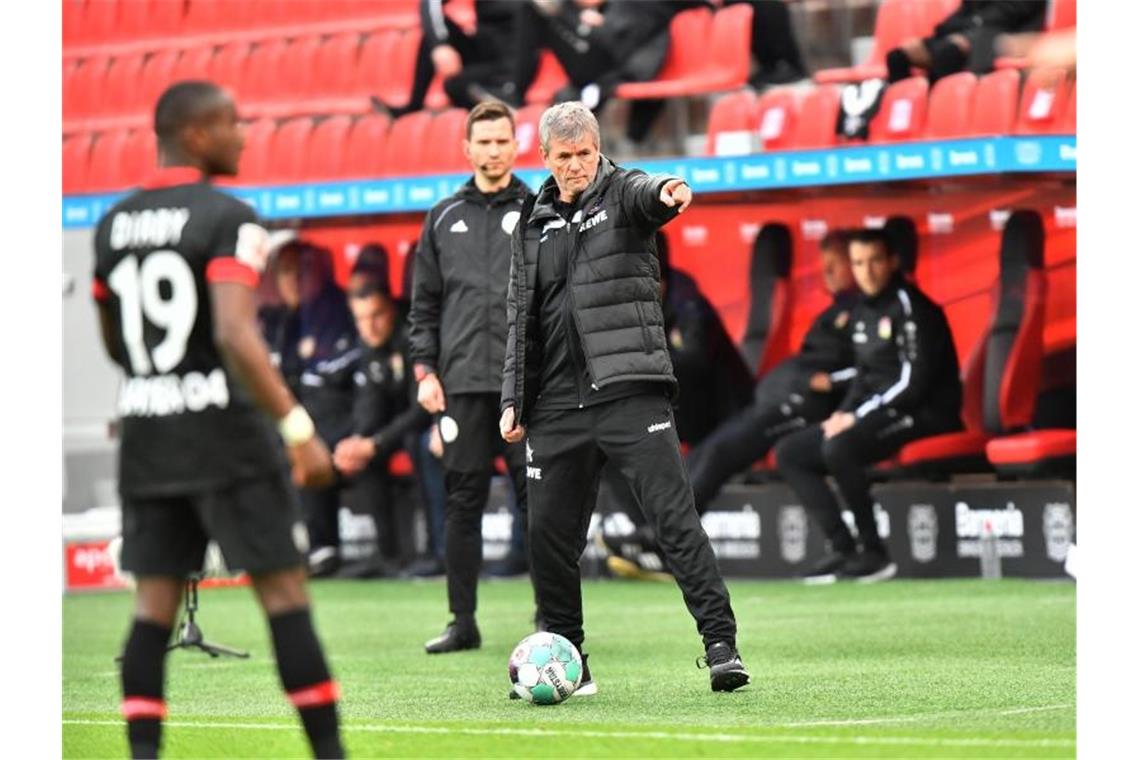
{"points": [[458, 336], [906, 386], [588, 373]]}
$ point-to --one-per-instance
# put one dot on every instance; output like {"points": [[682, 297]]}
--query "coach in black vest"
{"points": [[587, 372]]}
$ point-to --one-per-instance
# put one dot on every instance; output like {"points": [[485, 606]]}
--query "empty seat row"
{"points": [[899, 20], [88, 23], [309, 75], [301, 150], [961, 105]]}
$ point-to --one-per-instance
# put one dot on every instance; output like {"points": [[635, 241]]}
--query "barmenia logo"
{"points": [[658, 427]]}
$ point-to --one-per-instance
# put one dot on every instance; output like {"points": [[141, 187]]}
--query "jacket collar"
{"points": [[171, 176], [544, 205], [516, 189]]}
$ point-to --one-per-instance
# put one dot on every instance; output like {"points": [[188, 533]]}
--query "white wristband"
{"points": [[296, 427]]}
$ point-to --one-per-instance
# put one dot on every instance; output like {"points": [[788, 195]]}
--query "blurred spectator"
{"points": [[600, 45], [384, 407], [312, 338], [801, 390], [470, 64], [774, 46], [906, 386], [1049, 50], [370, 268], [964, 40]]}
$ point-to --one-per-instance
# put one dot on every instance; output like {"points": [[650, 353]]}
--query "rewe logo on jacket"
{"points": [[594, 220]]}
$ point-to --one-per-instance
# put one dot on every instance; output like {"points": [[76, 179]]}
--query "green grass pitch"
{"points": [[901, 669]]}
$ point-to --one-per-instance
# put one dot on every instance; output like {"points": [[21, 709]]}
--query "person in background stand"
{"points": [[471, 65], [313, 339], [906, 386], [384, 407]]}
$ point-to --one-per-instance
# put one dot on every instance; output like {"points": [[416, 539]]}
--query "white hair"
{"points": [[569, 121]]}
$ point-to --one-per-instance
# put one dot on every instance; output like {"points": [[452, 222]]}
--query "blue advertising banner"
{"points": [[726, 174]]}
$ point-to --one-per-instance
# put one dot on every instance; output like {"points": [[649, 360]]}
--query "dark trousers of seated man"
{"points": [[747, 438], [806, 459], [637, 435]]}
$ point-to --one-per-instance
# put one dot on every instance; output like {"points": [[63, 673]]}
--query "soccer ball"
{"points": [[545, 668]]}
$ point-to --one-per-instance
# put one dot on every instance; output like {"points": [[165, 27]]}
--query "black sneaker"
{"points": [[726, 671], [324, 562], [428, 567], [827, 569], [454, 639], [868, 567], [586, 687]]}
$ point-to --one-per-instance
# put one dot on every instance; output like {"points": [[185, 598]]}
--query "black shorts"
{"points": [[256, 523], [469, 428]]}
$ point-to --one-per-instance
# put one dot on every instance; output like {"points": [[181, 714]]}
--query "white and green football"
{"points": [[545, 668]]}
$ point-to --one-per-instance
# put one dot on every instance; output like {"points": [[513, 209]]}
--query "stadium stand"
{"points": [[1043, 101], [896, 21], [733, 116], [902, 114], [951, 106], [815, 125], [366, 148], [777, 114], [995, 104], [325, 153]]}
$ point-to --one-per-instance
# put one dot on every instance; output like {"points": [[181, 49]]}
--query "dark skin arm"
{"points": [[234, 311]]}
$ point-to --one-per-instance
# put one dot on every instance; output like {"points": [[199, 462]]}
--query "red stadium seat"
{"points": [[935, 12], [86, 87], [1036, 453], [298, 66], [767, 332], [902, 114], [995, 104], [195, 63], [951, 106], [777, 112], [1001, 378], [76, 155], [819, 111], [386, 65], [1043, 101], [157, 74], [896, 21], [105, 171], [203, 16], [100, 18], [735, 117], [526, 134], [1062, 15], [263, 80], [255, 158], [688, 55], [335, 66], [288, 151], [731, 59], [549, 79], [120, 86], [140, 157], [327, 148], [73, 28], [1069, 123], [166, 18], [406, 144], [365, 151], [445, 135], [229, 68]]}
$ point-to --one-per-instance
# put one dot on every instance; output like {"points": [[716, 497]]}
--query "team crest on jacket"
{"points": [[397, 365], [307, 347], [510, 221], [885, 328], [841, 319]]}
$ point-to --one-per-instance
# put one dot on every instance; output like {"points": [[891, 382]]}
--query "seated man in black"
{"points": [[384, 409], [964, 40], [799, 391], [906, 386]]}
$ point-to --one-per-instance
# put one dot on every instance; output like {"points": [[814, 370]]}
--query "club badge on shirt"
{"points": [[307, 347], [885, 328], [397, 365], [841, 319]]}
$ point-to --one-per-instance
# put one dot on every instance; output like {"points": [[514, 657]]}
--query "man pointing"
{"points": [[587, 378]]}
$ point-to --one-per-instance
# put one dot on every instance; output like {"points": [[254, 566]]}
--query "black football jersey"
{"points": [[186, 423]]}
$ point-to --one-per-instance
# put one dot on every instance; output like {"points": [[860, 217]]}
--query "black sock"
{"points": [[465, 621], [306, 679], [143, 672]]}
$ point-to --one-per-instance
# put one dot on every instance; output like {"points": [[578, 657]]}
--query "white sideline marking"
{"points": [[665, 735], [919, 716]]}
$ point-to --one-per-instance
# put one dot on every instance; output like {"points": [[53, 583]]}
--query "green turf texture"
{"points": [[902, 669]]}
